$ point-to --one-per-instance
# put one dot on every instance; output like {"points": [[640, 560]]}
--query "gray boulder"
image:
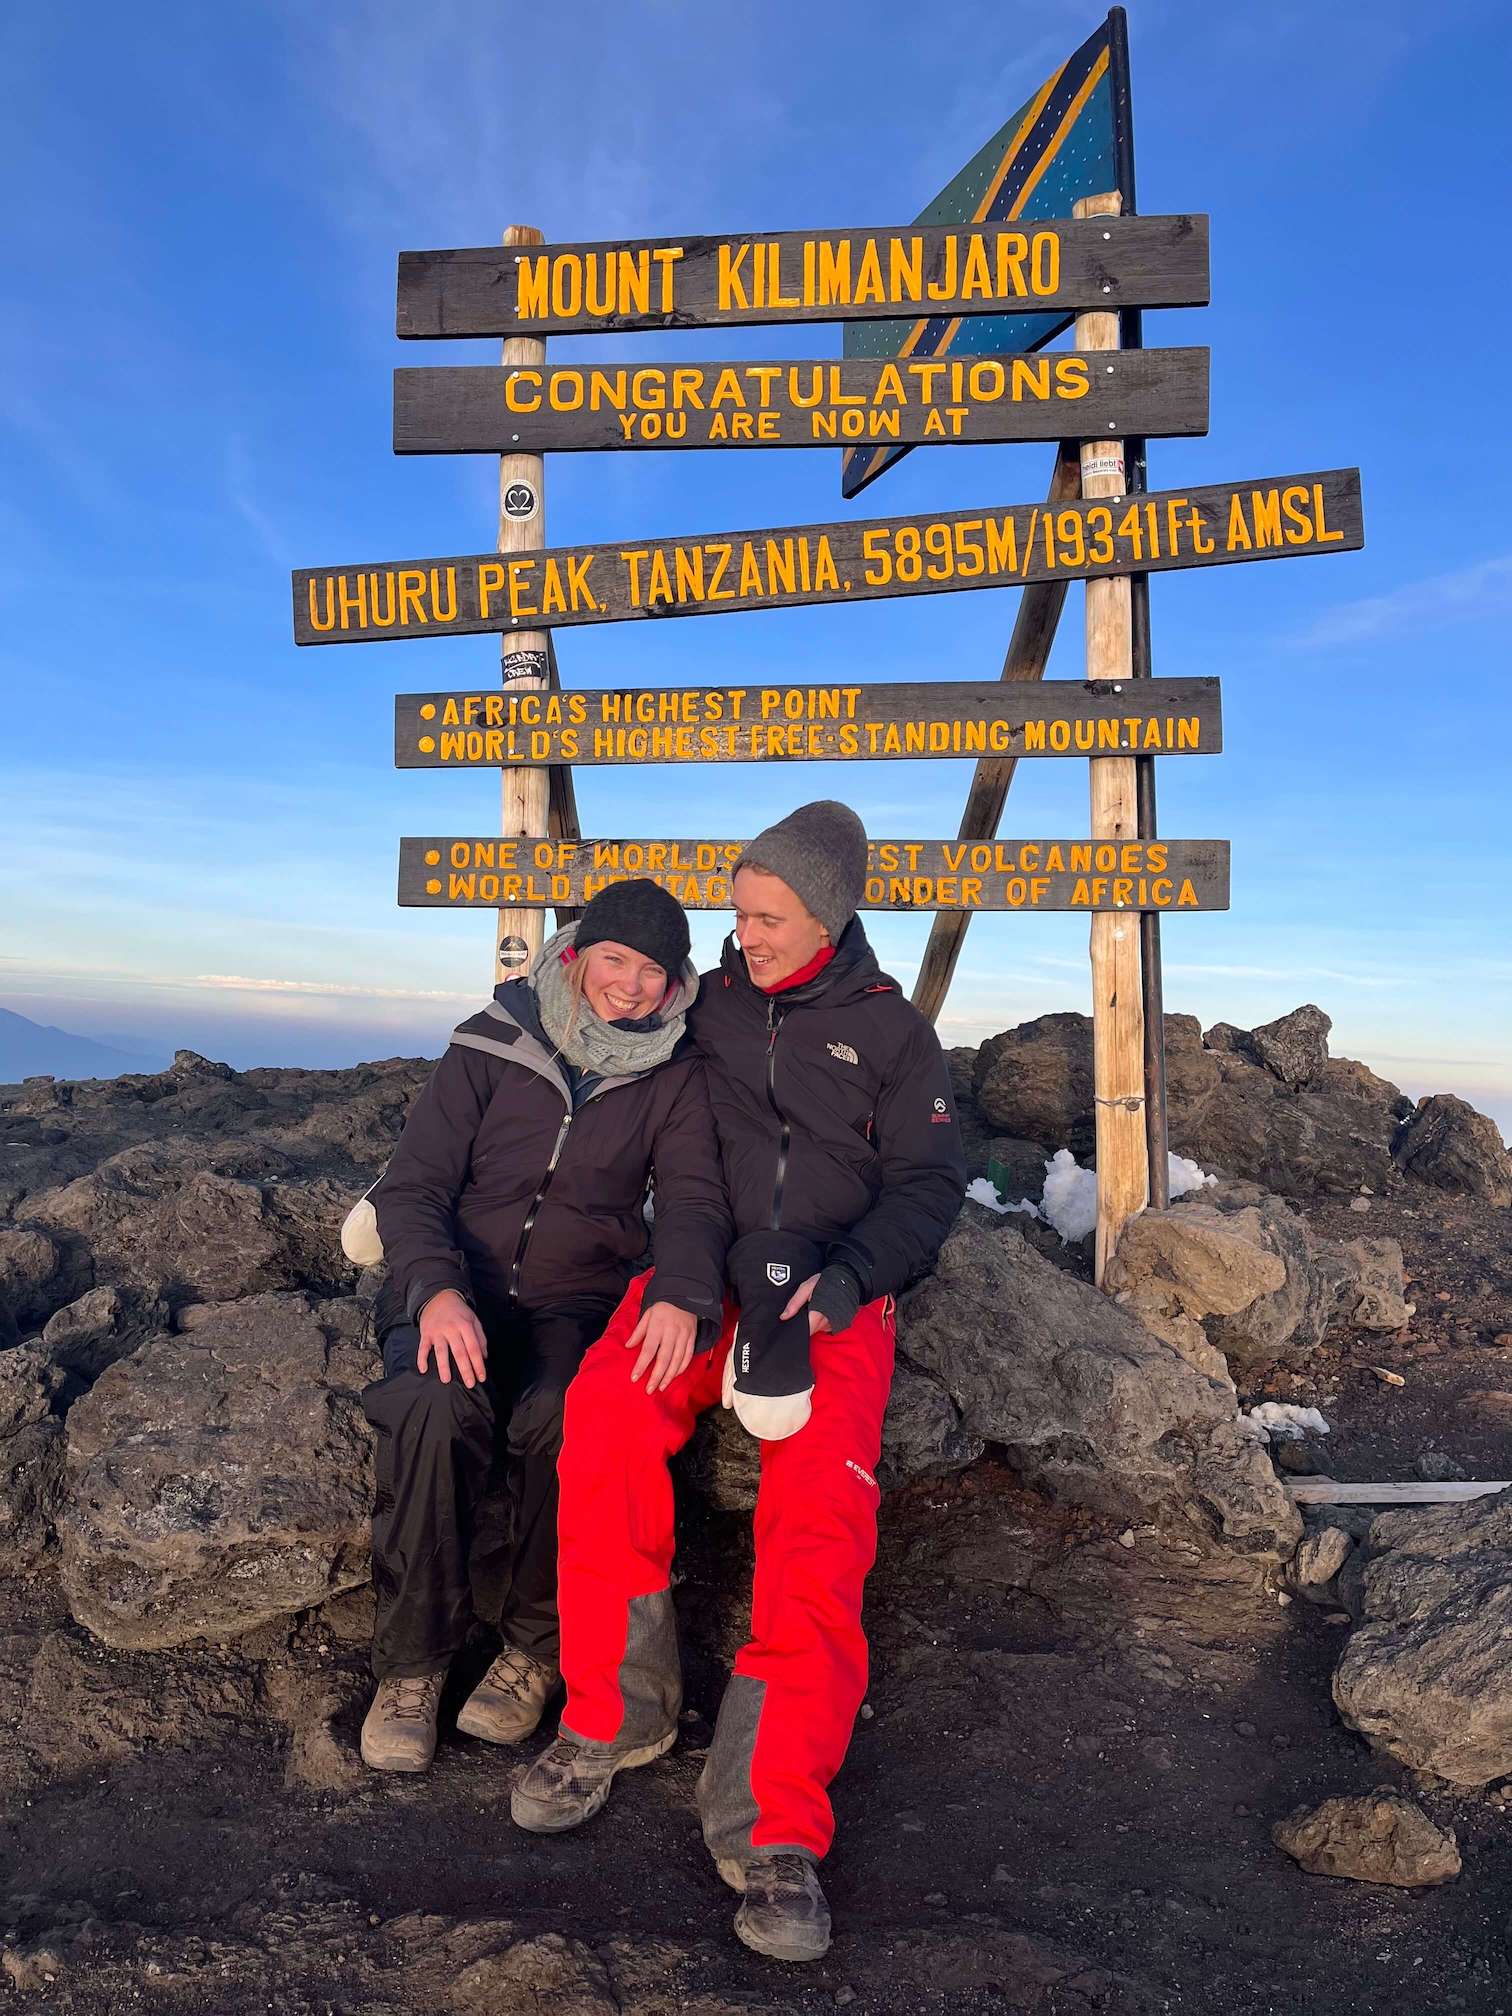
{"points": [[154, 1216], [1233, 1277], [922, 1431], [108, 1323], [1036, 1082], [1368, 1283], [31, 1456], [218, 1479], [1174, 1268], [1447, 1143], [1268, 1105], [29, 1262], [1379, 1837], [1427, 1678], [1313, 1571], [1295, 1047], [1088, 1404]]}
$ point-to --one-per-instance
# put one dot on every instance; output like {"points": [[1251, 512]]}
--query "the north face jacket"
{"points": [[835, 1114], [512, 1180]]}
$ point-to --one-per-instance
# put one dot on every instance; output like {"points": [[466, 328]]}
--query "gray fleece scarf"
{"points": [[585, 1039]]}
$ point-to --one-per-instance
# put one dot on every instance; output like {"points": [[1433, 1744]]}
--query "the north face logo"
{"points": [[778, 1273], [842, 1053]]}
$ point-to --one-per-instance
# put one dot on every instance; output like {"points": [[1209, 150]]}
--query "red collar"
{"points": [[815, 966]]}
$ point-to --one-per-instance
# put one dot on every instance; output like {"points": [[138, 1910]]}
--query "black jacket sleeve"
{"points": [[416, 1197], [923, 1172], [691, 1228]]}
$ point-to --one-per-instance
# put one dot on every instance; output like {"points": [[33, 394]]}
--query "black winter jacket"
{"points": [[515, 1178], [835, 1113]]}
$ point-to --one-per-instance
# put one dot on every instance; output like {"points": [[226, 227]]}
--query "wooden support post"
{"points": [[1028, 654], [1131, 337], [1117, 998], [561, 812], [525, 661]]}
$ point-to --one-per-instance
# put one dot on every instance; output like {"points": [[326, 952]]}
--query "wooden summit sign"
{"points": [[705, 574], [806, 276], [758, 724], [1085, 875], [484, 409]]}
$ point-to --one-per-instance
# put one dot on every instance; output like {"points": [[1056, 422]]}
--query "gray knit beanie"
{"points": [[820, 852]]}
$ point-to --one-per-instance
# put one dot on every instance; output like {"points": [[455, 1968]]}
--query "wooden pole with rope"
{"points": [[1118, 1034], [525, 662]]}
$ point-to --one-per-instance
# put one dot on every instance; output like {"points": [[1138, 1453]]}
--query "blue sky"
{"points": [[201, 822]]}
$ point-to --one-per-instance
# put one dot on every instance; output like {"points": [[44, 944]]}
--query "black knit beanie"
{"points": [[820, 852], [643, 916]]}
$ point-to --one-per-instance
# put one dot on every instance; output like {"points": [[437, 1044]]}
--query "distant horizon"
{"points": [[290, 1041]]}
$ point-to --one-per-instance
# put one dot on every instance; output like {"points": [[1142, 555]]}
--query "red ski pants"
{"points": [[786, 1718]]}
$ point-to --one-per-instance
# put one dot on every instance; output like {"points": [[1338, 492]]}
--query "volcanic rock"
{"points": [[218, 1479], [29, 1260], [85, 1336], [1447, 1143], [1089, 1405], [31, 1455], [1379, 1837], [1175, 1267], [1427, 1678], [1294, 1048], [1036, 1082]]}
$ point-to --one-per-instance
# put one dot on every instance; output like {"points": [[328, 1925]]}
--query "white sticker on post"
{"points": [[1102, 464]]}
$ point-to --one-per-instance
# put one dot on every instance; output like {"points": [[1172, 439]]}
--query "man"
{"points": [[845, 1172]]}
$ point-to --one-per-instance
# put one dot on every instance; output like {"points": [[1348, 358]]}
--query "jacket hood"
{"points": [[853, 971]]}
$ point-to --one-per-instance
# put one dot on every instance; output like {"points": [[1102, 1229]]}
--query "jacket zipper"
{"points": [[530, 1216], [774, 1022]]}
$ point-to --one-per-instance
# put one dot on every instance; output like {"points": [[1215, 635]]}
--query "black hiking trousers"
{"points": [[438, 1447]]}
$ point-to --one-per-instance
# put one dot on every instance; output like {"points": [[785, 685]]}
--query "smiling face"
{"points": [[620, 984], [774, 928]]}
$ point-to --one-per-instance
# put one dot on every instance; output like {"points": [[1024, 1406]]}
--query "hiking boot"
{"points": [[507, 1703], [569, 1782], [399, 1733], [784, 1914]]}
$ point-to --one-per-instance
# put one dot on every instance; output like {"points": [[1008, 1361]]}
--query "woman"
{"points": [[512, 1218]]}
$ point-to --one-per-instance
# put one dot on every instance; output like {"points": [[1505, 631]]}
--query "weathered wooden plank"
{"points": [[763, 724], [1327, 1491], [482, 409], [783, 567], [452, 873], [805, 276]]}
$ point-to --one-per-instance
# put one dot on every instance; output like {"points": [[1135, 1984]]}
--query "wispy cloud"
{"points": [[241, 494], [1467, 594], [1293, 976], [243, 984]]}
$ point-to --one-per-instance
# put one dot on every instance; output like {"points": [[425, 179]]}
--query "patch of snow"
{"points": [[983, 1191], [1070, 1202], [1274, 1421], [1186, 1177]]}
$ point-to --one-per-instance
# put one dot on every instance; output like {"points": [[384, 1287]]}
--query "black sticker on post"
{"points": [[532, 665], [519, 501], [513, 952]]}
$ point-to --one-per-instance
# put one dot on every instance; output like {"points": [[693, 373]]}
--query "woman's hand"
{"points": [[796, 1300], [451, 1333], [665, 1336]]}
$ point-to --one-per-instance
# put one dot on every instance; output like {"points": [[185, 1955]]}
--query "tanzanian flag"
{"points": [[1063, 143]]}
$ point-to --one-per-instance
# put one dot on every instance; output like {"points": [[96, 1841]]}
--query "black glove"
{"points": [[768, 1379], [837, 1296]]}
